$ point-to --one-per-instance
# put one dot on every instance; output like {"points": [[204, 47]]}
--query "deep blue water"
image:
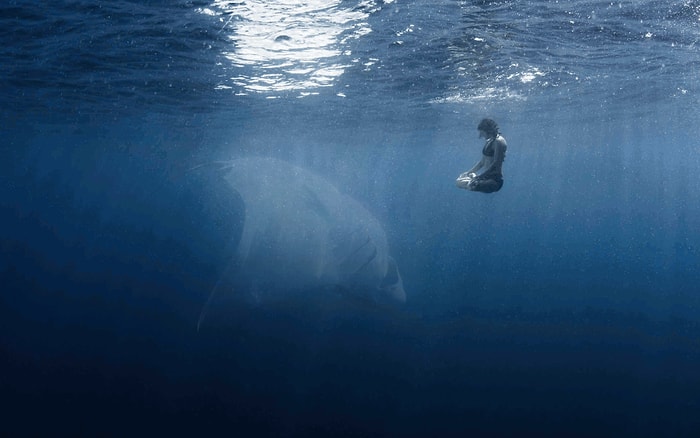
{"points": [[567, 304]]}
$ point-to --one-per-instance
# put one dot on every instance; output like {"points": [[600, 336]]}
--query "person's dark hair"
{"points": [[488, 125]]}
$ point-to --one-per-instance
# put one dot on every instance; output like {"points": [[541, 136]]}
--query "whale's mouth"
{"points": [[354, 251], [360, 257]]}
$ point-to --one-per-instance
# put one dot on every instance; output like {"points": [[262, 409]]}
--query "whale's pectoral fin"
{"points": [[222, 282], [392, 284]]}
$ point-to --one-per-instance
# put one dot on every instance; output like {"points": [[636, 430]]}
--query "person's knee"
{"points": [[489, 186]]}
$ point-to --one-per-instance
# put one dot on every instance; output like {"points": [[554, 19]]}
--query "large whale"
{"points": [[301, 233]]}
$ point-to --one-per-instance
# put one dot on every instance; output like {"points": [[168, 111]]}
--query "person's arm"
{"points": [[477, 166]]}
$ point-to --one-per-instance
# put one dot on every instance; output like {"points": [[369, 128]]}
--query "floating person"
{"points": [[492, 156]]}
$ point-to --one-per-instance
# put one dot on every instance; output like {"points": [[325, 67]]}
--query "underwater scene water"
{"points": [[240, 218]]}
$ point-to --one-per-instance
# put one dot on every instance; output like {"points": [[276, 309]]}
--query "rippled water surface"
{"points": [[170, 55]]}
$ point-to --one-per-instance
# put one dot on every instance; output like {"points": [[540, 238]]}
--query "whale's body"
{"points": [[300, 232]]}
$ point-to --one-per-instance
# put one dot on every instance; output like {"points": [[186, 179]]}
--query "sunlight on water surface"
{"points": [[289, 46]]}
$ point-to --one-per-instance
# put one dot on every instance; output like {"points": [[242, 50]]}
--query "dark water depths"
{"points": [[565, 304]]}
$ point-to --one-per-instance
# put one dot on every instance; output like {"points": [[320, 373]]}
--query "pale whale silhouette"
{"points": [[300, 232]]}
